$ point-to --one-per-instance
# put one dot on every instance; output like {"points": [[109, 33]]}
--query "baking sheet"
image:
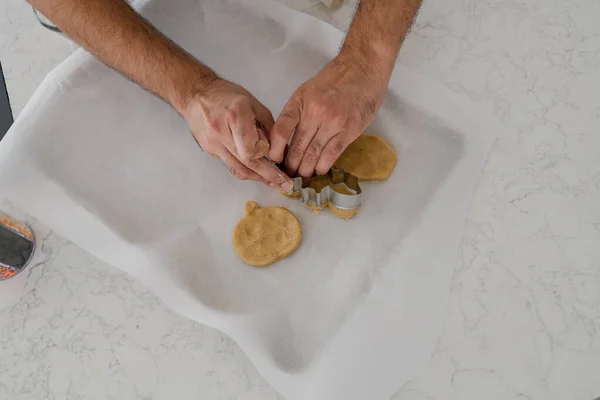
{"points": [[355, 312]]}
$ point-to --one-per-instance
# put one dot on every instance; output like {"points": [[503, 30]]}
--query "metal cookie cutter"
{"points": [[338, 188]]}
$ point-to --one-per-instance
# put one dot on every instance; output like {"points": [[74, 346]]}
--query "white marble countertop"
{"points": [[523, 317]]}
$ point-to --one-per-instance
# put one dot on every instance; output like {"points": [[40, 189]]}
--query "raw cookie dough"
{"points": [[266, 235], [322, 181], [343, 213], [293, 195], [369, 158], [319, 182], [338, 212], [341, 188]]}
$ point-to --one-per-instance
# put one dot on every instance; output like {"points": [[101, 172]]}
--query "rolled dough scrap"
{"points": [[369, 158], [266, 235], [293, 195]]}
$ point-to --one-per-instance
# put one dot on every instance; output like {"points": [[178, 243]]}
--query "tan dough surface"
{"points": [[369, 158], [291, 195], [319, 182], [343, 213], [341, 188], [266, 235], [337, 212]]}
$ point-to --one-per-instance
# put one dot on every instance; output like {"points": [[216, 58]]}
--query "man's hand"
{"points": [[226, 120], [229, 123], [332, 109], [325, 115]]}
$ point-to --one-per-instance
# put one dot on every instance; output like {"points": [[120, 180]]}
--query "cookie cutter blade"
{"points": [[320, 198]]}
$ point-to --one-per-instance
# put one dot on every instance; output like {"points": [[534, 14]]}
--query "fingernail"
{"points": [[287, 186]]}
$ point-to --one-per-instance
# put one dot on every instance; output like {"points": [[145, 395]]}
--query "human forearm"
{"points": [[122, 39], [376, 34], [331, 110], [223, 116]]}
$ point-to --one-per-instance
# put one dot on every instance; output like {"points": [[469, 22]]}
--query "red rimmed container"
{"points": [[17, 245]]}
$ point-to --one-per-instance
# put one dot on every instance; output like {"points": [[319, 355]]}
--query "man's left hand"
{"points": [[325, 115]]}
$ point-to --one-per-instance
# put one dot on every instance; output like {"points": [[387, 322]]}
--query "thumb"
{"points": [[264, 123], [250, 142], [283, 128]]}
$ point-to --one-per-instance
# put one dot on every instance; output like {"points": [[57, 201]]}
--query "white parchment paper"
{"points": [[355, 312]]}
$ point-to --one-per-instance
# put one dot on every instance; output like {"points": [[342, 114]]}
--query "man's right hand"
{"points": [[231, 124], [226, 120]]}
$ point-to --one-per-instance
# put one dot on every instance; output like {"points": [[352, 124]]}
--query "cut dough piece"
{"points": [[343, 213], [318, 183], [369, 158], [341, 188], [338, 212], [266, 235], [293, 195]]}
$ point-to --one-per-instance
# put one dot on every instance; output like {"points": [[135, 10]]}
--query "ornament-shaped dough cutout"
{"points": [[266, 235], [369, 158], [319, 183]]}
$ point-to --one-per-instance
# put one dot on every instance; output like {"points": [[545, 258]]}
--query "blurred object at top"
{"points": [[333, 4]]}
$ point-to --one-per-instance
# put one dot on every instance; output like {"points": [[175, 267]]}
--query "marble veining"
{"points": [[523, 318]]}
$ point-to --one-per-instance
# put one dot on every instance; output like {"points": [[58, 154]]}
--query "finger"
{"points": [[305, 132], [263, 116], [283, 128], [248, 143], [237, 169], [264, 139], [314, 151], [264, 122], [270, 173], [232, 152], [264, 146], [331, 152]]}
